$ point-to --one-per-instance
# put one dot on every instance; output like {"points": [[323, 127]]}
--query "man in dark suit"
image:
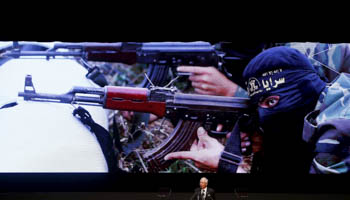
{"points": [[203, 192]]}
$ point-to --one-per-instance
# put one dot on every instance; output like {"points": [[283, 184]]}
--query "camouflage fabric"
{"points": [[241, 92], [331, 124], [324, 56], [334, 101], [332, 128]]}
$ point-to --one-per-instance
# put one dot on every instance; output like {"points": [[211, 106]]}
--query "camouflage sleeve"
{"points": [[241, 92], [327, 58], [332, 148]]}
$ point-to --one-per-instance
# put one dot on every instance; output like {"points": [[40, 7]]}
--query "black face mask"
{"points": [[297, 99], [282, 122], [284, 150], [287, 73]]}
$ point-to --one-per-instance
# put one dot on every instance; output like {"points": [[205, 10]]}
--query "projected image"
{"points": [[174, 107]]}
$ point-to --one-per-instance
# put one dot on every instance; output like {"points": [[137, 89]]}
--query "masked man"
{"points": [[285, 87]]}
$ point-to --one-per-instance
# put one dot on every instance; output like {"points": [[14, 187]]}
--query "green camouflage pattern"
{"points": [[333, 103], [240, 92], [328, 59]]}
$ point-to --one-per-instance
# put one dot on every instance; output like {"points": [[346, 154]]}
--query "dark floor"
{"points": [[149, 196]]}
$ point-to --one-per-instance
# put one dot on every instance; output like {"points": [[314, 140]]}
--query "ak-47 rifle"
{"points": [[159, 56], [191, 110]]}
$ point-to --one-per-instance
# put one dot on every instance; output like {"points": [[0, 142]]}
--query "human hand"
{"points": [[205, 152], [129, 114], [209, 81], [251, 141]]}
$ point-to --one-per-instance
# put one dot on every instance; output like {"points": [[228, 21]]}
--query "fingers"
{"points": [[193, 153], [127, 114], [209, 81], [244, 136], [194, 146], [200, 91], [203, 86], [205, 152], [204, 140], [245, 143], [219, 127], [182, 155], [201, 134], [195, 69], [201, 78], [152, 118]]}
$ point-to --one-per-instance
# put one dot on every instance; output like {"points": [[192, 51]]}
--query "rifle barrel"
{"points": [[42, 53], [234, 103], [89, 45]]}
